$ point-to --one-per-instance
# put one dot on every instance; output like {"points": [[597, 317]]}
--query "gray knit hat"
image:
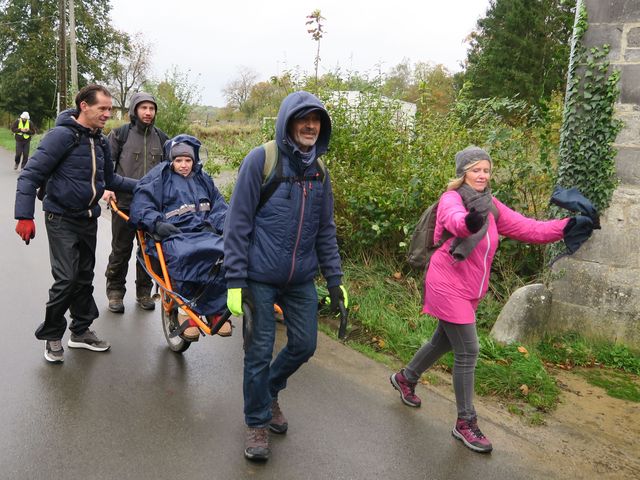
{"points": [[182, 150], [471, 154]]}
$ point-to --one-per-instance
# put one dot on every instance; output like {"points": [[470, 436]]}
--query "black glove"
{"points": [[596, 222], [164, 229], [474, 220], [335, 296]]}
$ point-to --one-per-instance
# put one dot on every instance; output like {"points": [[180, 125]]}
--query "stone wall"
{"points": [[597, 291]]}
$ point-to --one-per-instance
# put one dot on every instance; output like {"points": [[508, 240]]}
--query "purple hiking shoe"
{"points": [[406, 389], [471, 436]]}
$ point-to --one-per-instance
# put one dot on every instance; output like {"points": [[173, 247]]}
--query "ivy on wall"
{"points": [[587, 156]]}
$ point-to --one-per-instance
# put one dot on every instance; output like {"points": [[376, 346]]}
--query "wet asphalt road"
{"points": [[141, 411]]}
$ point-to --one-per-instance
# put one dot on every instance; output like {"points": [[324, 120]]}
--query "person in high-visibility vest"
{"points": [[23, 130]]}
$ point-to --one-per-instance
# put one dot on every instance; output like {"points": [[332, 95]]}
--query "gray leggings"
{"points": [[463, 340]]}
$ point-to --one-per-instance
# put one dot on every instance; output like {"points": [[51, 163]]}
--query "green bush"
{"points": [[385, 172]]}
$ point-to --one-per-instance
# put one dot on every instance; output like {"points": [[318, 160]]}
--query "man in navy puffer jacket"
{"points": [[74, 161], [272, 253]]}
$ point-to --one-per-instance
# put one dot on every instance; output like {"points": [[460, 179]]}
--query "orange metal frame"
{"points": [[169, 298]]}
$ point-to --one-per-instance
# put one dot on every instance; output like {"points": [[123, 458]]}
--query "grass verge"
{"points": [[8, 141], [386, 325]]}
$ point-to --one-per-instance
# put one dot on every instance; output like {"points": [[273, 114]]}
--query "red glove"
{"points": [[26, 228]]}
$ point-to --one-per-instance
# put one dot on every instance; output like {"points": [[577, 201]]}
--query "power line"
{"points": [[27, 20]]}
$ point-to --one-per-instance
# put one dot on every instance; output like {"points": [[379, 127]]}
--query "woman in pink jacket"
{"points": [[458, 278]]}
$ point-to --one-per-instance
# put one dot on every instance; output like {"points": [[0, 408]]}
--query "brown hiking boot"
{"points": [[115, 304], [278, 423], [146, 302], [256, 444]]}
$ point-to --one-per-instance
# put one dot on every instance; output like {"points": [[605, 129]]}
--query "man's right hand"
{"points": [[234, 301], [26, 228], [108, 195]]}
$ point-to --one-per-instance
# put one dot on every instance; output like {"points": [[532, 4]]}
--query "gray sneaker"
{"points": [[53, 351], [88, 340]]}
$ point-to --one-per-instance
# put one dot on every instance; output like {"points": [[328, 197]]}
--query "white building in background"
{"points": [[405, 112]]}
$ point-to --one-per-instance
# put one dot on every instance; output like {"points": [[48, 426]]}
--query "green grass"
{"points": [[8, 142], [386, 324], [616, 384], [571, 350]]}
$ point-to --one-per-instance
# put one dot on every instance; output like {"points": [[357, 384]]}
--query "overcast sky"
{"points": [[213, 39]]}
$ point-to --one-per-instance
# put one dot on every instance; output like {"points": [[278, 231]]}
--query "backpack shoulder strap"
{"points": [[322, 168], [162, 136], [122, 133], [271, 157], [272, 169], [42, 190]]}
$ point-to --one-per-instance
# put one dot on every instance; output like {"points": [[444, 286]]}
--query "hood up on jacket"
{"points": [[292, 105], [137, 99], [193, 142]]}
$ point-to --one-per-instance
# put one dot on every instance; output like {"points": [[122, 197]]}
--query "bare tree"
{"points": [[238, 90], [129, 68]]}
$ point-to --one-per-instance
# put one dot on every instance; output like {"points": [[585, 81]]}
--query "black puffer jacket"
{"points": [[76, 165]]}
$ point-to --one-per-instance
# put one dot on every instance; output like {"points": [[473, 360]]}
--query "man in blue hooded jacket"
{"points": [[273, 247], [74, 161]]}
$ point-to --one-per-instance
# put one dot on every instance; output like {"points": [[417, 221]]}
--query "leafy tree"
{"points": [[176, 96], [430, 86], [127, 69], [28, 51], [521, 48], [265, 97]]}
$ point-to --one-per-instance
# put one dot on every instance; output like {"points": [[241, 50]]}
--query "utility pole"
{"points": [[62, 58], [72, 48]]}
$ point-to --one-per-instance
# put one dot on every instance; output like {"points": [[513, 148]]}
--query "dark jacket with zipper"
{"points": [[294, 232], [142, 150], [75, 163]]}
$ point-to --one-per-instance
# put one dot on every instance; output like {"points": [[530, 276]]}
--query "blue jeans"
{"points": [[264, 379]]}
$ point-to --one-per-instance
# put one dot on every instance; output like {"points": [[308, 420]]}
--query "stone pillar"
{"points": [[597, 292]]}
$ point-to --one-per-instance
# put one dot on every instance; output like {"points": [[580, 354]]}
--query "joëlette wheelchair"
{"points": [[171, 300]]}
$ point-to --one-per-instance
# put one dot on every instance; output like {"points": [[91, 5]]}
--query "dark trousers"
{"points": [[22, 150], [72, 253], [122, 238]]}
